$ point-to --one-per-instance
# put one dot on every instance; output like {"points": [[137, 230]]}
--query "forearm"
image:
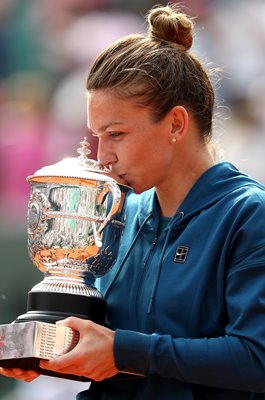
{"points": [[226, 362]]}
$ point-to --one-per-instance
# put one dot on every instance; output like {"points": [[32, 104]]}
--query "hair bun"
{"points": [[169, 24]]}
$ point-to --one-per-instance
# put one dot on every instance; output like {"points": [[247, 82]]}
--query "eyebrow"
{"points": [[103, 128]]}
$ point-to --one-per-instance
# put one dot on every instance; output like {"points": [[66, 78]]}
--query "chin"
{"points": [[139, 190]]}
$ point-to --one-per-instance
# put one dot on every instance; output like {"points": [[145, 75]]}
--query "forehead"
{"points": [[104, 107], [100, 98]]}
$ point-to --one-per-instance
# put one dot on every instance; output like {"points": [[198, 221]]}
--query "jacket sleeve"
{"points": [[235, 360]]}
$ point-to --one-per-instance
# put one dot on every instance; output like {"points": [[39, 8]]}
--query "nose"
{"points": [[105, 155]]}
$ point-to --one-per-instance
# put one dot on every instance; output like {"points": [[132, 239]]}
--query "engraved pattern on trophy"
{"points": [[67, 235], [63, 225]]}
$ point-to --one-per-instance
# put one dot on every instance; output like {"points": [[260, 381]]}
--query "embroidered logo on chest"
{"points": [[181, 254]]}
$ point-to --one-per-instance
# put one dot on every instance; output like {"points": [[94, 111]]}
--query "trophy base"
{"points": [[51, 307], [24, 344], [34, 335]]}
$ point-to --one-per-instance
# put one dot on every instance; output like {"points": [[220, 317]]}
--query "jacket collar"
{"points": [[214, 184]]}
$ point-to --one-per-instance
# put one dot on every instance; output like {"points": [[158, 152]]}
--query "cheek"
{"points": [[133, 154]]}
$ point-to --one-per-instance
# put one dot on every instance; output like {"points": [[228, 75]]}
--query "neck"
{"points": [[174, 190]]}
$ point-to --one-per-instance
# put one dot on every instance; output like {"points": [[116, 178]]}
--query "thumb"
{"points": [[72, 322]]}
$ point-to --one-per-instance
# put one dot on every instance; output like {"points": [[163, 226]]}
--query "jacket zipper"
{"points": [[145, 269]]}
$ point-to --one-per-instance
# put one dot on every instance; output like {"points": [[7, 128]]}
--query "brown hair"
{"points": [[158, 70]]}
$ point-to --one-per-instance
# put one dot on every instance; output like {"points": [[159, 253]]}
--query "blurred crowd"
{"points": [[46, 48]]}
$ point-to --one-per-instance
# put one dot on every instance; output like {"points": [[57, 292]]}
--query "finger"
{"points": [[12, 372], [73, 322], [66, 360], [18, 373], [31, 375], [63, 361]]}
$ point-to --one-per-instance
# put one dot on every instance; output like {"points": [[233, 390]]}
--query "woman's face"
{"points": [[135, 148]]}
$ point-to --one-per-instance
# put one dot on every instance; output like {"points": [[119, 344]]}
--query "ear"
{"points": [[179, 123]]}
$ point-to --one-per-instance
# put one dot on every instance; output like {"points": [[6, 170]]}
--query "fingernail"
{"points": [[33, 374]]}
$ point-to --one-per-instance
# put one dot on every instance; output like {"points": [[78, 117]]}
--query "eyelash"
{"points": [[115, 134]]}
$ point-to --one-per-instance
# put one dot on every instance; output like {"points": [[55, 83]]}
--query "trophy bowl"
{"points": [[75, 221]]}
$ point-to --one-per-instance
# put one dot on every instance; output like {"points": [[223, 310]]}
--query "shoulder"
{"points": [[240, 189], [247, 216], [249, 197]]}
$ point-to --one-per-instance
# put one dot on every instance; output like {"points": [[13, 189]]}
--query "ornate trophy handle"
{"points": [[113, 188]]}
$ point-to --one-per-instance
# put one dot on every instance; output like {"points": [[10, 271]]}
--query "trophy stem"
{"points": [[76, 284]]}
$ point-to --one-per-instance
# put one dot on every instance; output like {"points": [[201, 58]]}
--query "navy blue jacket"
{"points": [[188, 305]]}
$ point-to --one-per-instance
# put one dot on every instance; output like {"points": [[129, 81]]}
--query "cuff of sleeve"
{"points": [[131, 351]]}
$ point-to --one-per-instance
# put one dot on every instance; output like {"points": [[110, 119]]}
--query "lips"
{"points": [[123, 180], [120, 178]]}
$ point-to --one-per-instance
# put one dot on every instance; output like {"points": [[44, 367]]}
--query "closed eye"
{"points": [[115, 134]]}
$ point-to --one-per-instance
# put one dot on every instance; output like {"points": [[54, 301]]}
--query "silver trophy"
{"points": [[75, 221]]}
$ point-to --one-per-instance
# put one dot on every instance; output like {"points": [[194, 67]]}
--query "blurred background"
{"points": [[46, 48]]}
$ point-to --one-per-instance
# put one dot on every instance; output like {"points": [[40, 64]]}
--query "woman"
{"points": [[186, 297]]}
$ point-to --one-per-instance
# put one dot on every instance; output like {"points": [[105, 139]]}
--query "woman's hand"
{"points": [[18, 373], [93, 355]]}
